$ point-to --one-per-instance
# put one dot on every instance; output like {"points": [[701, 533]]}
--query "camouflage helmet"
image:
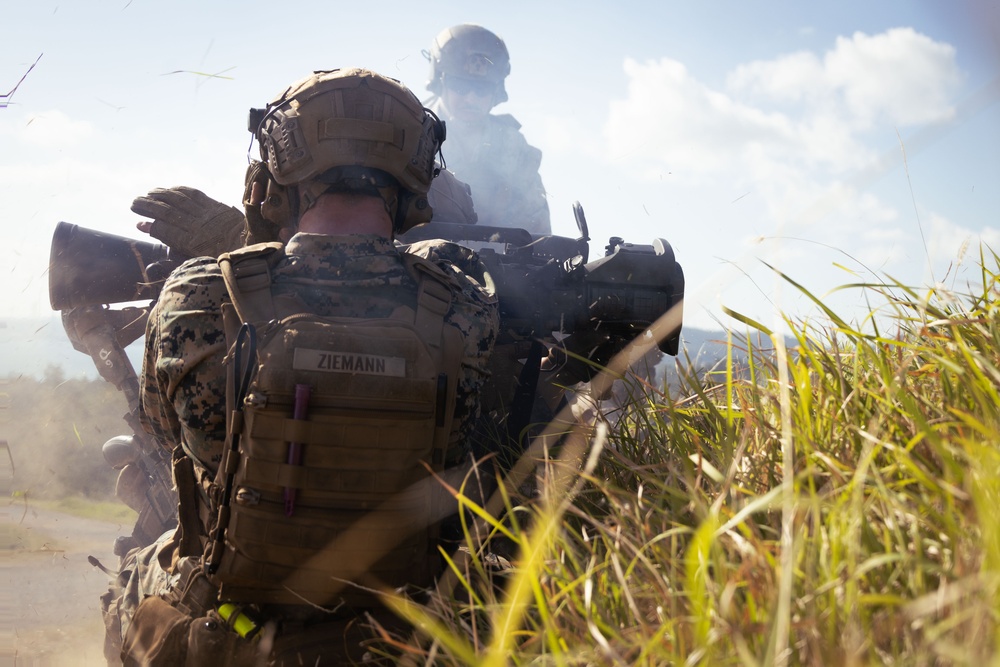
{"points": [[352, 123], [469, 52]]}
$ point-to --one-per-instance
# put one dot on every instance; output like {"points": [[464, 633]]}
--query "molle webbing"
{"points": [[382, 399]]}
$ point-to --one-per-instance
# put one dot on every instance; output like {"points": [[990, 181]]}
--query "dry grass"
{"points": [[834, 502]]}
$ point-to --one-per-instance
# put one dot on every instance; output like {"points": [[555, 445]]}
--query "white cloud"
{"points": [[794, 77], [793, 131], [672, 122], [900, 77]]}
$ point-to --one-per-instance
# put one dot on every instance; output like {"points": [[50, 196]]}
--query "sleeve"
{"points": [[183, 380]]}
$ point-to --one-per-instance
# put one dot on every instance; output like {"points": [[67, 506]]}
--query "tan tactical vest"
{"points": [[336, 496]]}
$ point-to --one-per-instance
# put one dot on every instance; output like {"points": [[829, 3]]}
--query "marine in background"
{"points": [[487, 151]]}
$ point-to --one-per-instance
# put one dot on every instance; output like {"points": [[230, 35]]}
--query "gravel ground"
{"points": [[51, 607]]}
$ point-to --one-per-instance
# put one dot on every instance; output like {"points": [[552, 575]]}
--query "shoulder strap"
{"points": [[247, 273], [435, 290]]}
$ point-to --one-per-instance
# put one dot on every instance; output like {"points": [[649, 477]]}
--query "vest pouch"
{"points": [[362, 488], [157, 636]]}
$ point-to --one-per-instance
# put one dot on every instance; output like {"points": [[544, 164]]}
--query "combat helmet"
{"points": [[348, 128], [469, 52]]}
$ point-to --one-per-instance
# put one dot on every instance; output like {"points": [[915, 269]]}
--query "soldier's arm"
{"points": [[156, 412], [182, 386]]}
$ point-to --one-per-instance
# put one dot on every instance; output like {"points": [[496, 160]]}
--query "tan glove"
{"points": [[259, 228], [190, 222]]}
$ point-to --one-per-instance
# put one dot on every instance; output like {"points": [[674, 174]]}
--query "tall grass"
{"points": [[834, 501]]}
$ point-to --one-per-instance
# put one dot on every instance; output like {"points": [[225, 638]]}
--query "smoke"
{"points": [[55, 428]]}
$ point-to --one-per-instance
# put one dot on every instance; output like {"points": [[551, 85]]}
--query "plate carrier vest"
{"points": [[339, 490]]}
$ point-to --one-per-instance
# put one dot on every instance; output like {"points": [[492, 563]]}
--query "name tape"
{"points": [[348, 362]]}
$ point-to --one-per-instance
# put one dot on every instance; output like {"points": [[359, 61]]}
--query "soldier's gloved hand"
{"points": [[258, 228], [190, 222]]}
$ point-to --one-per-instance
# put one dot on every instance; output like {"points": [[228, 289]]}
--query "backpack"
{"points": [[335, 426]]}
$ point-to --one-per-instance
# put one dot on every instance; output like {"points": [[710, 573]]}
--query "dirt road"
{"points": [[52, 610]]}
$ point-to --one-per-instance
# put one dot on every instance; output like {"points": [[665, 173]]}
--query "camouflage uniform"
{"points": [[501, 167], [183, 385]]}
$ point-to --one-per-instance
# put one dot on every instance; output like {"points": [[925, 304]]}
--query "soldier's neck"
{"points": [[335, 214]]}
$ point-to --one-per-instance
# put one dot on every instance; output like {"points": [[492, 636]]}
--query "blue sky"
{"points": [[742, 132]]}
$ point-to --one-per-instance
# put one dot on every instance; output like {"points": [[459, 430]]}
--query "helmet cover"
{"points": [[350, 120]]}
